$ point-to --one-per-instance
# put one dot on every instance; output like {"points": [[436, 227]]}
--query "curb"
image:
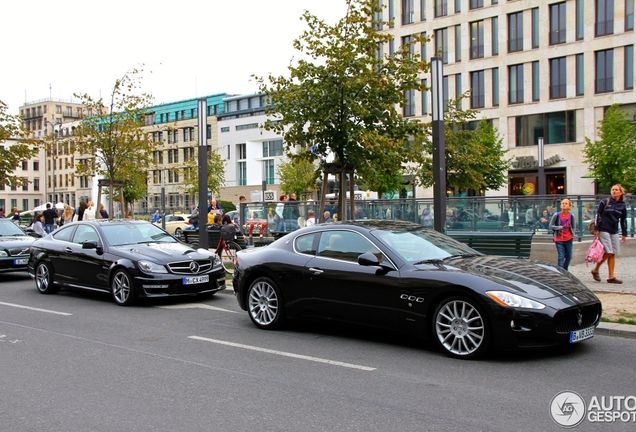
{"points": [[615, 329]]}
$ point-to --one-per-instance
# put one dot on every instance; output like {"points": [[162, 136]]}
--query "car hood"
{"points": [[536, 279], [16, 239], [162, 252]]}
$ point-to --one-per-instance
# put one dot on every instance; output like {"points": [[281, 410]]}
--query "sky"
{"points": [[188, 48]]}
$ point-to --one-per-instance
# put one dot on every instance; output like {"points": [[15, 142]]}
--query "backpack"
{"points": [[595, 253]]}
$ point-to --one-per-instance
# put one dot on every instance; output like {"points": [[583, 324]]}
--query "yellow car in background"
{"points": [[175, 224]]}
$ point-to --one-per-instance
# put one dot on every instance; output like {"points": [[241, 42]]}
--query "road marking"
{"points": [[35, 309], [285, 354], [197, 306]]}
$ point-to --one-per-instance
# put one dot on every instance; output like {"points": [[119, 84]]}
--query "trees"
{"points": [[341, 98], [11, 157], [612, 158], [475, 159], [111, 140], [216, 172], [299, 173]]}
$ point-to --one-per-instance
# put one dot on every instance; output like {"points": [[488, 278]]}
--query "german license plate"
{"points": [[21, 261], [579, 335], [191, 280]]}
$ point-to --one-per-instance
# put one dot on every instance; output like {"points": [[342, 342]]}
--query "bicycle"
{"points": [[227, 249]]}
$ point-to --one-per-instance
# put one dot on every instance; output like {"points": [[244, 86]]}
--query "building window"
{"points": [[391, 48], [422, 9], [25, 187], [477, 39], [604, 17], [36, 184], [458, 6], [557, 78], [458, 43], [241, 151], [536, 91], [408, 17], [495, 87], [268, 166], [604, 81], [515, 79], [580, 68], [409, 42], [557, 23], [441, 44], [247, 126], [629, 67], [555, 128], [423, 49], [441, 8], [476, 4], [445, 92], [25, 165], [629, 15], [495, 36], [272, 148], [36, 165], [408, 110], [515, 32], [477, 91], [225, 129], [242, 173], [458, 89], [425, 97], [535, 28]]}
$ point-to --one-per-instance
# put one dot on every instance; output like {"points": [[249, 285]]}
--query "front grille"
{"points": [[567, 320], [19, 251], [187, 267]]}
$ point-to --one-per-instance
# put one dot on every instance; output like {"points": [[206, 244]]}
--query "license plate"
{"points": [[579, 335], [21, 261], [190, 280]]}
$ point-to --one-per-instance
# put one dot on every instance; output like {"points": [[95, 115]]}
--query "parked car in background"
{"points": [[256, 224], [128, 258], [175, 224], [400, 276], [14, 247]]}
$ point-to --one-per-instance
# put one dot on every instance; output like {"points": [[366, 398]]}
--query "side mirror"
{"points": [[92, 244]]}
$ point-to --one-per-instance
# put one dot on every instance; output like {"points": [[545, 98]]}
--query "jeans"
{"points": [[49, 228], [564, 253]]}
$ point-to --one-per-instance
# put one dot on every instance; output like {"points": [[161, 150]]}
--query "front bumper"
{"points": [[172, 285], [14, 263]]}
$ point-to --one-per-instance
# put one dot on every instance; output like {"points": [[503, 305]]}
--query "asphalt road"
{"points": [[77, 362]]}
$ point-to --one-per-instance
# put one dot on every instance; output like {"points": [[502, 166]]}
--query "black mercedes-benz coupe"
{"points": [[400, 276], [129, 259]]}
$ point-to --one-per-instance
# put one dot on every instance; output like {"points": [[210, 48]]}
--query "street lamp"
{"points": [[54, 153]]}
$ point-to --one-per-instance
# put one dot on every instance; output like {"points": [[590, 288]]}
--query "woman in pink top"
{"points": [[562, 225]]}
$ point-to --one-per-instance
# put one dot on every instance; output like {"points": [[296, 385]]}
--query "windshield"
{"points": [[8, 228], [423, 245], [124, 234]]}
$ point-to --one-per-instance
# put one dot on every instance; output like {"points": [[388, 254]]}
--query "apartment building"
{"points": [[30, 194], [538, 69]]}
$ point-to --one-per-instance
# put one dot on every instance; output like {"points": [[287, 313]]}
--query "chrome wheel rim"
{"points": [[42, 277], [178, 233], [121, 287], [460, 328], [263, 303]]}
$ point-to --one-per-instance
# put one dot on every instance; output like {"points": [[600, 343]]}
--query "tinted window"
{"points": [[9, 228], [345, 245], [64, 234], [305, 244], [85, 233]]}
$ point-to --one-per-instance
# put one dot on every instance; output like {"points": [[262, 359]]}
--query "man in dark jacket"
{"points": [[50, 215]]}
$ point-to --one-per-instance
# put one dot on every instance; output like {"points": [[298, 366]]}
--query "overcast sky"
{"points": [[190, 48]]}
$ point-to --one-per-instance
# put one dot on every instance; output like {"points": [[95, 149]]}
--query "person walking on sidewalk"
{"points": [[610, 213], [563, 228]]}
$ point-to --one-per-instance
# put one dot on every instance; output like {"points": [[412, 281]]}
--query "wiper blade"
{"points": [[467, 255]]}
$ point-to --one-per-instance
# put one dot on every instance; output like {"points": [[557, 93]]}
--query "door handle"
{"points": [[315, 270], [69, 250]]}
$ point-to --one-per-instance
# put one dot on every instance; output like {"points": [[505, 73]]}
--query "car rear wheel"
{"points": [[461, 329], [44, 279], [265, 304], [121, 288], [178, 233]]}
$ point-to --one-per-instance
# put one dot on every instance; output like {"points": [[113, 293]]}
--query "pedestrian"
{"points": [[50, 214], [563, 227], [38, 225], [89, 212], [1, 212], [216, 207], [67, 215], [156, 217], [279, 216], [530, 218], [194, 219], [80, 211], [16, 215], [311, 218], [102, 211], [610, 215], [426, 219], [291, 213], [327, 216], [246, 210]]}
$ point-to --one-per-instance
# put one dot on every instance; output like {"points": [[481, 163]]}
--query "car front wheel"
{"points": [[265, 304], [178, 233], [121, 288], [461, 329], [44, 279]]}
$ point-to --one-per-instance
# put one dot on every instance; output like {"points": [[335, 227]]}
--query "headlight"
{"points": [[505, 298], [3, 253], [150, 267], [216, 261]]}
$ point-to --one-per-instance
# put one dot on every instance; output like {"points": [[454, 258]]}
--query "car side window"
{"points": [[304, 244], [85, 233], [345, 245], [64, 234]]}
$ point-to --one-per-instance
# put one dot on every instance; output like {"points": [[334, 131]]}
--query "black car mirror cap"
{"points": [[92, 244], [371, 260]]}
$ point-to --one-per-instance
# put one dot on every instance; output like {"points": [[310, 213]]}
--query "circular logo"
{"points": [[567, 409]]}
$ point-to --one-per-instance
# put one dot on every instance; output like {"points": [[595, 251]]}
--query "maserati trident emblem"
{"points": [[579, 319], [194, 267]]}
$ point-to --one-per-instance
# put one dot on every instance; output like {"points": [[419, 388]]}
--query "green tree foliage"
{"points": [[12, 156], [216, 172], [475, 159], [299, 173], [612, 158], [341, 97], [111, 139]]}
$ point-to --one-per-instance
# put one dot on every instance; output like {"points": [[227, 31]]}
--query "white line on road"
{"points": [[282, 353], [197, 306], [36, 309]]}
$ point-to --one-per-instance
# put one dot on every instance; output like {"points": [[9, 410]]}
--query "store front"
{"points": [[523, 178]]}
